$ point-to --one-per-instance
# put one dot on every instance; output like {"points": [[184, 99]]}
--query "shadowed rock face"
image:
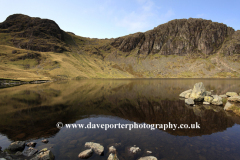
{"points": [[179, 37], [34, 33]]}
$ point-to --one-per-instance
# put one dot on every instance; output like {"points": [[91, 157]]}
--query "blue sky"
{"points": [[115, 18]]}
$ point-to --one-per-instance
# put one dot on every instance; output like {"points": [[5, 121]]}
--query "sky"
{"points": [[116, 18]]}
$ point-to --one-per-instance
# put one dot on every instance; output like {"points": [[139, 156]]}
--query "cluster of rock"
{"points": [[99, 149], [15, 151], [199, 94]]}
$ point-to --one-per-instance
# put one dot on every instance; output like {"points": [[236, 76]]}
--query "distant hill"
{"points": [[180, 48]]}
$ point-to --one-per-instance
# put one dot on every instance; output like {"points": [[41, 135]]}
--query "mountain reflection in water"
{"points": [[32, 111]]}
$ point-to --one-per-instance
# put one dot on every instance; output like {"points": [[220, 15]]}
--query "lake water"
{"points": [[30, 113]]}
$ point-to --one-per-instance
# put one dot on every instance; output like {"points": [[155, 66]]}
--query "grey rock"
{"points": [[96, 147], [30, 151], [45, 141], [216, 100], [112, 157], [206, 103], [18, 153], [208, 93], [17, 146], [185, 92], [208, 99], [198, 92], [149, 152], [112, 149], [231, 94], [227, 106], [31, 144], [187, 95], [234, 99], [148, 158], [2, 159], [223, 96], [44, 154], [134, 149], [86, 154], [189, 101]]}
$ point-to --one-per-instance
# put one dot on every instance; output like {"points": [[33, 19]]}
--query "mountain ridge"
{"points": [[181, 48]]}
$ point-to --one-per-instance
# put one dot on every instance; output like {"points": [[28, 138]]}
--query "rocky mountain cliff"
{"points": [[34, 33], [178, 37], [181, 48]]}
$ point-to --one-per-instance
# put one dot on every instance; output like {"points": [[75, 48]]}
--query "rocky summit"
{"points": [[181, 48]]}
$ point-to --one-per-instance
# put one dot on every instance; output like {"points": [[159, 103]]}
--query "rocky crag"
{"points": [[180, 48]]}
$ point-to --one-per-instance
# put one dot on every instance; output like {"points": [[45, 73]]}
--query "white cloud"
{"points": [[145, 17], [200, 15]]}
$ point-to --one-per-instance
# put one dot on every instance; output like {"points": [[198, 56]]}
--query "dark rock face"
{"points": [[179, 37], [34, 33], [232, 45]]}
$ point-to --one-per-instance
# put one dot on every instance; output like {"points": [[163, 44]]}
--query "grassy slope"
{"points": [[95, 58]]}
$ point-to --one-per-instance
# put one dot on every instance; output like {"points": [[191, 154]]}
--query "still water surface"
{"points": [[30, 113]]}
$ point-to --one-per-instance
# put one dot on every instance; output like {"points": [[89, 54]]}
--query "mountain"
{"points": [[34, 48]]}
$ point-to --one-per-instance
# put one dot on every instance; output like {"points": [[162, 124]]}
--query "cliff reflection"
{"points": [[32, 111]]}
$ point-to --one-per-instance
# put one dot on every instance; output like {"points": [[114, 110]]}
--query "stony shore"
{"points": [[198, 94]]}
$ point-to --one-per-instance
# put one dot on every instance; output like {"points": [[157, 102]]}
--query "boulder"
{"points": [[86, 154], [44, 154], [31, 144], [208, 99], [227, 106], [187, 95], [206, 103], [96, 147], [134, 149], [208, 93], [223, 96], [189, 101], [17, 146], [234, 99], [183, 94], [148, 158], [18, 153], [198, 92], [45, 141], [231, 94], [112, 157], [216, 100], [30, 151], [112, 149]]}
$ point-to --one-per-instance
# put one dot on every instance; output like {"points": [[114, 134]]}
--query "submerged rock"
{"points": [[17, 146], [148, 158], [134, 149], [189, 101], [234, 99], [183, 94], [86, 154], [112, 149], [96, 147], [31, 144], [198, 92], [112, 157], [44, 154], [30, 151], [149, 152], [216, 100], [231, 94], [18, 153], [45, 141]]}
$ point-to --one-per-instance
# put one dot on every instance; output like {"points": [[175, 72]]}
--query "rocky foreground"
{"points": [[199, 94], [16, 152]]}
